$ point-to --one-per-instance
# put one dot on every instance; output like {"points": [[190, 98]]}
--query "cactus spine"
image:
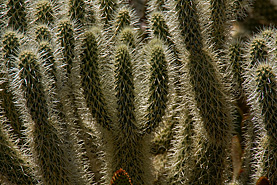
{"points": [[218, 23], [91, 80], [44, 12], [107, 8], [16, 14], [77, 11], [258, 51], [127, 137]]}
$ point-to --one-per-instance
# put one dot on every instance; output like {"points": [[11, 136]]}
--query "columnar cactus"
{"points": [[158, 88], [47, 146], [219, 24], [107, 10], [210, 98], [77, 11], [92, 98], [11, 44], [265, 93], [14, 168], [16, 14], [258, 51], [44, 12], [90, 78]]}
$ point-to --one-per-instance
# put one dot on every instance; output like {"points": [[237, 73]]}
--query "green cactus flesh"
{"points": [[42, 32], [77, 11], [67, 41], [48, 147], [158, 88], [91, 80], [44, 12], [16, 14], [12, 166], [266, 88], [10, 48], [258, 51]]}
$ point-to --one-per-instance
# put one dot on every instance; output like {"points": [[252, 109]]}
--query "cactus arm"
{"points": [[218, 23], [44, 12], [91, 80], [48, 149], [267, 94], [11, 44], [107, 10], [158, 87], [16, 15], [13, 167], [77, 11]]}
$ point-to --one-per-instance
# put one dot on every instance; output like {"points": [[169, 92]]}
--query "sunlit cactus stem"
{"points": [[11, 44], [128, 142], [125, 89], [218, 23], [158, 86], [128, 37], [44, 12], [91, 80], [47, 56], [47, 146], [161, 30], [67, 42], [236, 59], [16, 14], [42, 33], [107, 10], [123, 19], [210, 98], [258, 51], [13, 167], [77, 11], [189, 23], [267, 96]]}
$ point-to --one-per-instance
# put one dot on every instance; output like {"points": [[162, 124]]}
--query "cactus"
{"points": [[91, 80], [77, 11], [11, 44], [266, 94], [46, 143], [258, 51], [210, 98], [14, 168], [107, 8], [16, 15], [44, 12], [90, 90], [219, 22]]}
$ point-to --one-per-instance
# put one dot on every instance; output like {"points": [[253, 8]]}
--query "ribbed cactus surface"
{"points": [[88, 87]]}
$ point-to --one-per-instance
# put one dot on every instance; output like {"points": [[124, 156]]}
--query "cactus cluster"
{"points": [[86, 92]]}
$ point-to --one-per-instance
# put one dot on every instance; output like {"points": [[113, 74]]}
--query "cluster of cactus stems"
{"points": [[87, 97]]}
